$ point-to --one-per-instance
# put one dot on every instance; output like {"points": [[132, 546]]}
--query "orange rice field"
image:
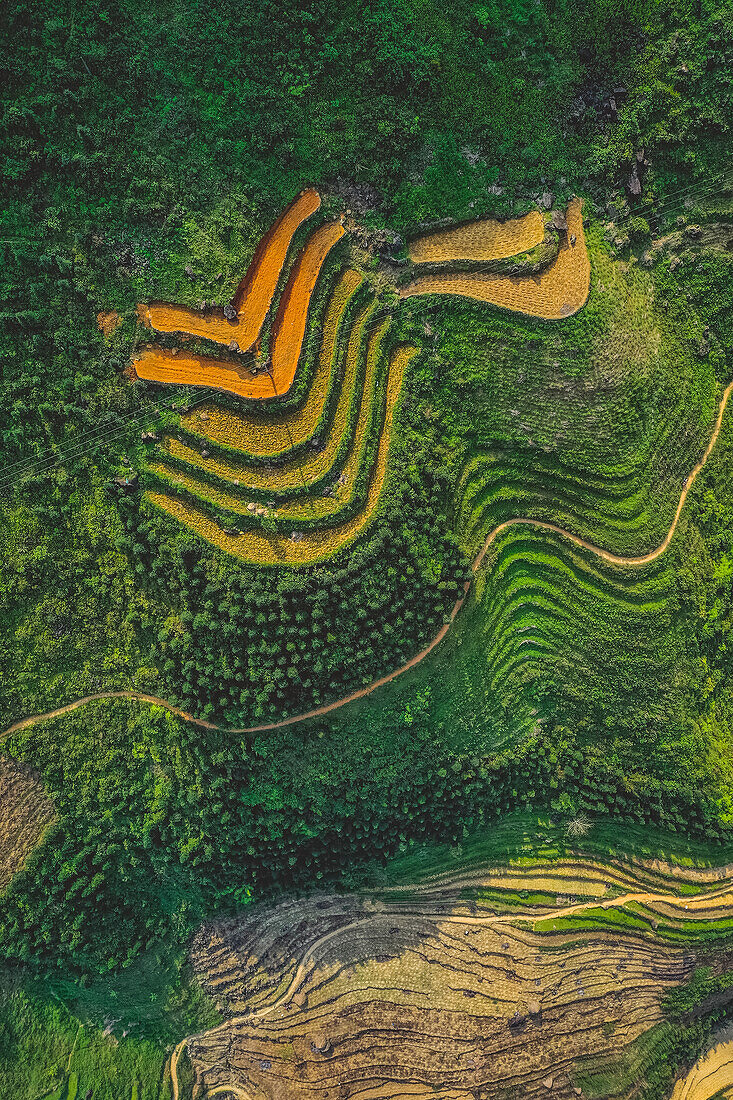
{"points": [[253, 296], [161, 365], [185, 369], [267, 549], [557, 292], [266, 438], [296, 473], [481, 240], [292, 314], [304, 469]]}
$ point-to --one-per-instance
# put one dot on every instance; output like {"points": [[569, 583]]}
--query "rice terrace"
{"points": [[366, 551]]}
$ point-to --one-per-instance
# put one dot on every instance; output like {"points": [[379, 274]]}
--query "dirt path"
{"points": [[722, 899], [318, 712]]}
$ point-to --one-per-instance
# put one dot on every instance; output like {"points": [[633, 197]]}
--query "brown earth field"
{"points": [[486, 985], [25, 812]]}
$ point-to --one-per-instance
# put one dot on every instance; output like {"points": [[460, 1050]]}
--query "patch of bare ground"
{"points": [[456, 988], [25, 812]]}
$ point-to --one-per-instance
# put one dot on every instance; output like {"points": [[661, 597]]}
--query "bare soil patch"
{"points": [[25, 812]]}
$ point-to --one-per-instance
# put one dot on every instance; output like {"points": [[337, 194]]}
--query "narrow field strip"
{"points": [[183, 368], [314, 546], [368, 425], [555, 293], [267, 438], [171, 367], [255, 292], [302, 470], [26, 811], [479, 240], [290, 322]]}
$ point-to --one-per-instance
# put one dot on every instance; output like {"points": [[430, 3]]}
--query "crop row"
{"points": [[318, 485], [255, 293], [601, 638], [171, 366], [268, 437], [290, 477], [273, 549]]}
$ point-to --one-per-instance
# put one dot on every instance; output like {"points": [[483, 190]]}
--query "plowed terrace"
{"points": [[461, 987]]}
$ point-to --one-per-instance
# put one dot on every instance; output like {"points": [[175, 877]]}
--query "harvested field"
{"points": [[254, 294], [266, 438], [25, 812], [557, 292], [302, 470], [481, 240], [456, 987], [266, 549], [712, 1075]]}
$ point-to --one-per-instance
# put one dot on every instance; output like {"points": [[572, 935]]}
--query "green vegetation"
{"points": [[145, 150]]}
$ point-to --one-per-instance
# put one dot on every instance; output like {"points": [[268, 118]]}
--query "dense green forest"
{"points": [[145, 150]]}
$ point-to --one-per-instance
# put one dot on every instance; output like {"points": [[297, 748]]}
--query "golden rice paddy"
{"points": [[158, 365], [480, 240], [292, 315], [301, 470], [711, 1078], [267, 438], [254, 294], [557, 292], [273, 549], [185, 369]]}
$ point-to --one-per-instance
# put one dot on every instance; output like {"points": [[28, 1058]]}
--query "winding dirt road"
{"points": [[478, 561], [318, 712]]}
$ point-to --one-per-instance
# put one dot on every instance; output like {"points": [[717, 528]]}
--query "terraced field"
{"points": [[270, 549], [296, 473], [515, 980], [711, 1078], [239, 479], [26, 811], [480, 240], [556, 292], [266, 438], [254, 295]]}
